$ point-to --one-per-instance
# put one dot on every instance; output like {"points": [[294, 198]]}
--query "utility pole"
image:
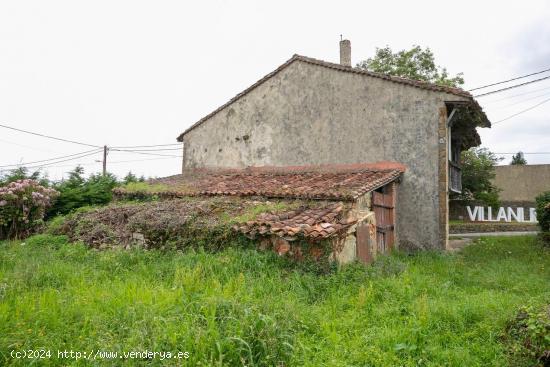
{"points": [[104, 160]]}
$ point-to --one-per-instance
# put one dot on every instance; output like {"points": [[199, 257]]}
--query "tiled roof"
{"points": [[328, 182], [330, 65], [314, 223]]}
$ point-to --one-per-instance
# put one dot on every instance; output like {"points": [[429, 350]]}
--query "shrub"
{"points": [[55, 225], [528, 335], [543, 217], [45, 240], [77, 191], [543, 210], [544, 238], [23, 204]]}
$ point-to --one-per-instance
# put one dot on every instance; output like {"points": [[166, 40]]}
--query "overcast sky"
{"points": [[126, 73]]}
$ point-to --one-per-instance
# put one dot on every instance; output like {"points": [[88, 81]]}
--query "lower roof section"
{"points": [[324, 182]]}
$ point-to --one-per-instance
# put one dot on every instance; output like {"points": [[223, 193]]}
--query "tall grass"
{"points": [[241, 307]]}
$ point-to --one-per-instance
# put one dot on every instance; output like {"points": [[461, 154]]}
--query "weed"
{"points": [[144, 187], [243, 307]]}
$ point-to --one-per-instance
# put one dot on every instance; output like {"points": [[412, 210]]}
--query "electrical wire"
{"points": [[142, 160], [147, 150], [520, 112], [516, 95], [77, 164], [111, 162], [53, 159], [48, 136], [525, 153], [147, 146], [144, 153], [509, 80], [65, 160], [29, 147], [525, 100], [512, 87]]}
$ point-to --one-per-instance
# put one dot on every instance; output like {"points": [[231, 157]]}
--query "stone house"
{"points": [[311, 112]]}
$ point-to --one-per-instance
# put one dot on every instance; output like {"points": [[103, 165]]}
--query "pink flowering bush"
{"points": [[23, 204]]}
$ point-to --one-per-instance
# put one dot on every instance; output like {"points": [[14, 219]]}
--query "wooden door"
{"points": [[364, 253], [384, 205]]}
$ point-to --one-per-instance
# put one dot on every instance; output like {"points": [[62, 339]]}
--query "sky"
{"points": [[131, 73]]}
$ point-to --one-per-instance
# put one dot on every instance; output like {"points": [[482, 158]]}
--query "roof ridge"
{"points": [[413, 82], [380, 166], [310, 60]]}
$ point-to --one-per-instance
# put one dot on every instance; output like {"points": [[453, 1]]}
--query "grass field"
{"points": [[241, 307]]}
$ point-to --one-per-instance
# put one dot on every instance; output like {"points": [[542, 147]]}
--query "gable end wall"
{"points": [[307, 114]]}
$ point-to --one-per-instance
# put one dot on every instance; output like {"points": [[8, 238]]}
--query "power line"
{"points": [[146, 150], [49, 137], [110, 162], [113, 162], [29, 147], [74, 165], [512, 87], [65, 160], [525, 100], [94, 146], [147, 146], [144, 153], [520, 112], [147, 159], [509, 80], [53, 159], [525, 153], [516, 95]]}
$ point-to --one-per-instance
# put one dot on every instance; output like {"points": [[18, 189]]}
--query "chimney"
{"points": [[345, 53]]}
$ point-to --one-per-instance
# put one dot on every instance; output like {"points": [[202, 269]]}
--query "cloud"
{"points": [[530, 50]]}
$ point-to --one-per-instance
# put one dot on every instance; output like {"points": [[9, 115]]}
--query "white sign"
{"points": [[485, 214]]}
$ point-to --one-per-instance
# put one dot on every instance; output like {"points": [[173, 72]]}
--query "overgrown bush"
{"points": [[184, 223], [77, 191], [23, 204], [543, 216], [528, 336], [543, 210]]}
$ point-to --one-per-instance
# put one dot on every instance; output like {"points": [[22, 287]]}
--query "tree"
{"points": [[518, 159], [478, 171], [129, 178], [22, 173], [416, 63]]}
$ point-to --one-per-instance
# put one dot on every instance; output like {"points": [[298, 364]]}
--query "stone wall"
{"points": [[487, 227], [522, 183], [308, 114]]}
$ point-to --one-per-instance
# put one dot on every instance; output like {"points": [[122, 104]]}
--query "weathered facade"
{"points": [[311, 112]]}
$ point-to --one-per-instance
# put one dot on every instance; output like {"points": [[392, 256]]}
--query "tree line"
{"points": [[74, 192]]}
